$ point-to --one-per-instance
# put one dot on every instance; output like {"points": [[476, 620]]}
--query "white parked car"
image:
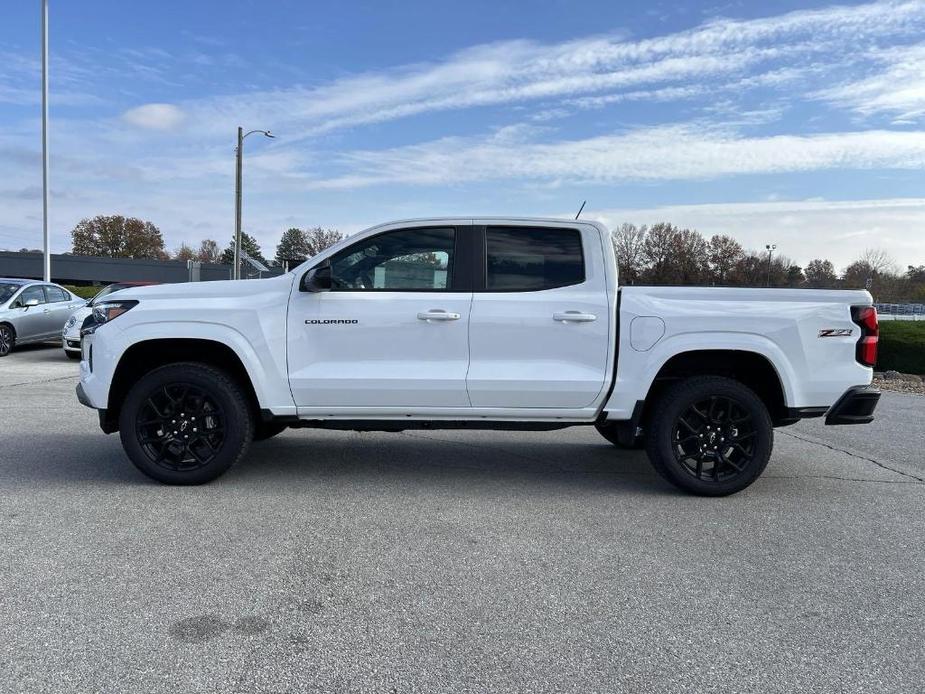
{"points": [[70, 335], [475, 323]]}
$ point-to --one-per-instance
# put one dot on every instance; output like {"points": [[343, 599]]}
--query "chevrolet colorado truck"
{"points": [[475, 323]]}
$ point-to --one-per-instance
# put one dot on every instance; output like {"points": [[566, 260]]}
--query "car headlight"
{"points": [[108, 311], [70, 322]]}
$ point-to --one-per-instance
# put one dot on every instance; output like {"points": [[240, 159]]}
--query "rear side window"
{"points": [[520, 259], [56, 294]]}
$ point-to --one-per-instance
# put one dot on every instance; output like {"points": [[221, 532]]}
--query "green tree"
{"points": [[250, 246], [292, 247], [116, 236]]}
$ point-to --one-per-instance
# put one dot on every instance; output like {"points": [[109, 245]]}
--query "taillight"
{"points": [[866, 317]]}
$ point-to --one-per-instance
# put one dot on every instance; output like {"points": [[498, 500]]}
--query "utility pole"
{"points": [[46, 261], [770, 247], [238, 174], [239, 154]]}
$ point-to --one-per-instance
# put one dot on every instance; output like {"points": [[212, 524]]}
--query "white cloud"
{"points": [[898, 88], [732, 55], [682, 152], [154, 116], [802, 230]]}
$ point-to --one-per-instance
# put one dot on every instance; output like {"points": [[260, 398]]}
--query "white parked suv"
{"points": [[475, 323]]}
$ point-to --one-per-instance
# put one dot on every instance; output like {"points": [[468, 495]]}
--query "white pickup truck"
{"points": [[475, 323]]}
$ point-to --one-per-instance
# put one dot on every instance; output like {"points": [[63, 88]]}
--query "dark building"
{"points": [[86, 270]]}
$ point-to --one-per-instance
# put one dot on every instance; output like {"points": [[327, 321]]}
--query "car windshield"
{"points": [[6, 291], [106, 291]]}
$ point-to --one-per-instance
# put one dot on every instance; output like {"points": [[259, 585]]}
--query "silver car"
{"points": [[32, 311]]}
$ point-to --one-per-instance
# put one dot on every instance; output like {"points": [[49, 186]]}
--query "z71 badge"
{"points": [[835, 332]]}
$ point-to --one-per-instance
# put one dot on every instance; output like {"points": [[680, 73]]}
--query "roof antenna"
{"points": [[581, 208]]}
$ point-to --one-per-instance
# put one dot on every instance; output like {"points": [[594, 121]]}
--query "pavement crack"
{"points": [[34, 383], [918, 480]]}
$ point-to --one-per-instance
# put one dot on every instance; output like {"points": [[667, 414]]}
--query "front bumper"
{"points": [[856, 406]]}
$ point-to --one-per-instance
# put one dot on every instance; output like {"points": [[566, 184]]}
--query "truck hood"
{"points": [[205, 290]]}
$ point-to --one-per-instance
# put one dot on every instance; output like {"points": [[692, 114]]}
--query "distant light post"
{"points": [[239, 161], [46, 253], [770, 248]]}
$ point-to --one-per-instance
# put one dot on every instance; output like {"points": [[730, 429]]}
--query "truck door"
{"points": [[393, 330], [539, 327]]}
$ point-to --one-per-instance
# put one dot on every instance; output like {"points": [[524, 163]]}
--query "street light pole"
{"points": [[238, 175], [238, 161], [46, 260], [770, 248]]}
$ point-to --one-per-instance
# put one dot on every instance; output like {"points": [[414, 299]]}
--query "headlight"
{"points": [[70, 322], [107, 311]]}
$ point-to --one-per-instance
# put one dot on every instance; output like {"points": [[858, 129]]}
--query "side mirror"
{"points": [[318, 279], [32, 302]]}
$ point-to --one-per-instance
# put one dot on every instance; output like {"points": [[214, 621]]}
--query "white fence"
{"points": [[900, 311]]}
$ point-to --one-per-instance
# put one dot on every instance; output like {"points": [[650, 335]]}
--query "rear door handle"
{"points": [[574, 317], [437, 314]]}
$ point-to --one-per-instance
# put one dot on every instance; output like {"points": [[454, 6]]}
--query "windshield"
{"points": [[105, 291], [7, 290]]}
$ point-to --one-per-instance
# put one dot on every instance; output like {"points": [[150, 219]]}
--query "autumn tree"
{"points": [[209, 252], [820, 274], [116, 236], [185, 252], [628, 241], [723, 253], [317, 239]]}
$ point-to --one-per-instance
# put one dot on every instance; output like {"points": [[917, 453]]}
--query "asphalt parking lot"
{"points": [[454, 561]]}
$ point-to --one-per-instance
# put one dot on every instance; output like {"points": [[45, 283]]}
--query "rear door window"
{"points": [[521, 259], [55, 294]]}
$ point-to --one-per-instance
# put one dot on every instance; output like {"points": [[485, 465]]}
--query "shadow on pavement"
{"points": [[298, 458]]}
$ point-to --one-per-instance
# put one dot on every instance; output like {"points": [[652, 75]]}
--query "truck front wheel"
{"points": [[709, 435], [185, 423]]}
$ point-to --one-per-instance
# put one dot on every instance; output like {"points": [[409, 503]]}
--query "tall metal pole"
{"points": [[46, 272], [770, 251], [239, 155]]}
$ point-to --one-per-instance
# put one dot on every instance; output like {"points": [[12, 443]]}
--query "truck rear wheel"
{"points": [[185, 423], [709, 435]]}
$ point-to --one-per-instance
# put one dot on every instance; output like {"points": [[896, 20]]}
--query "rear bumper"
{"points": [[856, 406]]}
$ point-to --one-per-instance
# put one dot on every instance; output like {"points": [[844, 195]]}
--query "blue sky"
{"points": [[793, 123]]}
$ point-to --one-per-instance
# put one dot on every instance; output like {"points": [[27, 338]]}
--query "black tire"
{"points": [[609, 431], [267, 430], [210, 413], [73, 356], [7, 339], [709, 435]]}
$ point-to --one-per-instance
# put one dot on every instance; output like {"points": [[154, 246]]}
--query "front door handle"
{"points": [[437, 314], [574, 317]]}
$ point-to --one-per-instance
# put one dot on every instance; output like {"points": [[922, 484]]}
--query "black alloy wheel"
{"points": [[186, 423], [180, 427], [709, 435], [714, 439]]}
